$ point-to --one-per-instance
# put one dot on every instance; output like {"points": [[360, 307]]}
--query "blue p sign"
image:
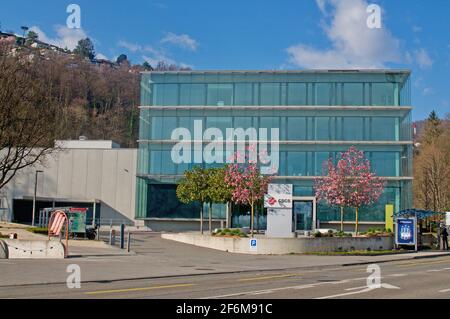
{"points": [[253, 245]]}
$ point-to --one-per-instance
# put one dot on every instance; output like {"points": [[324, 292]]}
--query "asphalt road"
{"points": [[407, 279]]}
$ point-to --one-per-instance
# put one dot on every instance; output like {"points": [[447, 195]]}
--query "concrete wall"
{"points": [[108, 175], [35, 249], [282, 246]]}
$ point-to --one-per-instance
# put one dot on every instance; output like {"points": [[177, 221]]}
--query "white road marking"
{"points": [[347, 294], [261, 293], [355, 288], [397, 275], [254, 292], [389, 286], [444, 290], [438, 270]]}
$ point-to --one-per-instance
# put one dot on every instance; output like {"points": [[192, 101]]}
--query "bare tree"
{"points": [[30, 115], [432, 170]]}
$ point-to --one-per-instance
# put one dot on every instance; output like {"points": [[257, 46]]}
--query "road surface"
{"points": [[423, 278]]}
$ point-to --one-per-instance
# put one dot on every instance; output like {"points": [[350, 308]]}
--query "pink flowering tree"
{"points": [[247, 183], [351, 183], [333, 188]]}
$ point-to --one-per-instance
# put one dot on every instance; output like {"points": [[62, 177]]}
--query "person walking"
{"points": [[444, 234]]}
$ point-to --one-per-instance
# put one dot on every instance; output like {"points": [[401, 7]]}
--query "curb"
{"points": [[391, 260]]}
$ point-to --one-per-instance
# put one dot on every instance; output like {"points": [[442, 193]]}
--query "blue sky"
{"points": [[249, 34]]}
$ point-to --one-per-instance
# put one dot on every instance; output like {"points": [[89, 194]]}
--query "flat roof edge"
{"points": [[309, 71]]}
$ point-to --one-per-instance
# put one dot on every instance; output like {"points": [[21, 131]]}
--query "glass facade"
{"points": [[319, 114]]}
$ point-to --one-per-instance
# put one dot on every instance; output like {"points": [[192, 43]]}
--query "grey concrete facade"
{"points": [[105, 176]]}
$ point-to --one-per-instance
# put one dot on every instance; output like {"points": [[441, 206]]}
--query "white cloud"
{"points": [[423, 59], [182, 40], [153, 55], [353, 44], [65, 37], [322, 5], [427, 91], [100, 56], [132, 47]]}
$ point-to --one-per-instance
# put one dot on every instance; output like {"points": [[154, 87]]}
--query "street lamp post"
{"points": [[34, 197]]}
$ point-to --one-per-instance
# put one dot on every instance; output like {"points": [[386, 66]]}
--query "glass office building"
{"points": [[319, 114]]}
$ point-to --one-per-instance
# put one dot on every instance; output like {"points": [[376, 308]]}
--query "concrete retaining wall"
{"points": [[282, 246], [26, 249]]}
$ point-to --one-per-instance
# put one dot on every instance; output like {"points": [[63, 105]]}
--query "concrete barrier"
{"points": [[3, 250], [37, 249], [283, 246]]}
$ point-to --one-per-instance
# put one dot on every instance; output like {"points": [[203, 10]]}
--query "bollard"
{"points": [[112, 237], [129, 242], [122, 236]]}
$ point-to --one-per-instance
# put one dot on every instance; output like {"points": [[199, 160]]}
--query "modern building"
{"points": [[98, 175], [319, 114]]}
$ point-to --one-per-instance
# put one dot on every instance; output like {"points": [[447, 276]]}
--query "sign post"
{"points": [[406, 232], [253, 245], [278, 202]]}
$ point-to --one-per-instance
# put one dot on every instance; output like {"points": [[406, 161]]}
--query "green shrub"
{"points": [[317, 234]]}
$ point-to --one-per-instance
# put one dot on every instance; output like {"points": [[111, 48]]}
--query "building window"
{"points": [[385, 163], [353, 94], [270, 94], [382, 94], [384, 129], [165, 94], [296, 128], [192, 94], [297, 164], [325, 94], [220, 94], [162, 202], [353, 129], [296, 94], [243, 94]]}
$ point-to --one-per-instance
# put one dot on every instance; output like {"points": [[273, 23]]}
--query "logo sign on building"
{"points": [[279, 196], [253, 244], [406, 231]]}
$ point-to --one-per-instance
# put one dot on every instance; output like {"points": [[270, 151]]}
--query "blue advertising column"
{"points": [[406, 232]]}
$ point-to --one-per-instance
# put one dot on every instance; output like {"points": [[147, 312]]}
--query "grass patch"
{"points": [[358, 253], [38, 230]]}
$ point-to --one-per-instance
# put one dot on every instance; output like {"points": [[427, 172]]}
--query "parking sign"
{"points": [[253, 244]]}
